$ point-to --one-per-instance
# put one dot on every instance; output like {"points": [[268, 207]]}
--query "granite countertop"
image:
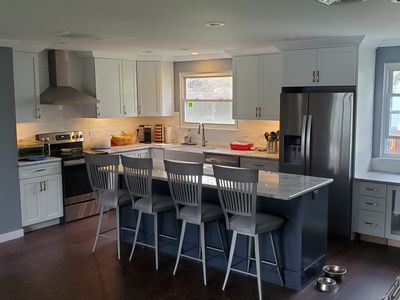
{"points": [[272, 185], [391, 178], [196, 149], [38, 162]]}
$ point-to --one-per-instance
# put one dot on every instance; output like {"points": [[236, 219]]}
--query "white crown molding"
{"points": [[201, 57], [389, 43], [11, 235], [22, 46], [253, 51], [341, 41]]}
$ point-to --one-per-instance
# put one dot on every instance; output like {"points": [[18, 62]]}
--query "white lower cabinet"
{"points": [[143, 153], [41, 196], [376, 209]]}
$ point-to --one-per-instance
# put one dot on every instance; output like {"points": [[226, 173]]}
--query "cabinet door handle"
{"points": [[317, 76], [371, 224], [372, 190], [259, 111], [44, 186], [313, 75], [40, 170], [125, 110], [371, 203], [38, 113], [41, 188]]}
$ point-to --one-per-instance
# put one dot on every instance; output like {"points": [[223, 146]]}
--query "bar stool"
{"points": [[237, 191], [138, 178], [185, 183], [103, 176]]}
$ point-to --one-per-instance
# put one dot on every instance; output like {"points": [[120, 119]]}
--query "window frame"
{"points": [[387, 96], [183, 100]]}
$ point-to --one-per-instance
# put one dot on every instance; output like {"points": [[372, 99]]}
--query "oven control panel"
{"points": [[60, 137]]}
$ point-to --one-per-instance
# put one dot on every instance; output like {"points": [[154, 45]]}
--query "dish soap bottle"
{"points": [[189, 137]]}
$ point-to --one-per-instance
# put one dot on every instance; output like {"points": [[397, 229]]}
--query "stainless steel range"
{"points": [[78, 195]]}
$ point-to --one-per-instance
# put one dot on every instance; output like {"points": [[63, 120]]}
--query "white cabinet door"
{"points": [[337, 66], [246, 87], [51, 198], [271, 86], [108, 87], [148, 78], [26, 86], [129, 88], [299, 67], [30, 201]]}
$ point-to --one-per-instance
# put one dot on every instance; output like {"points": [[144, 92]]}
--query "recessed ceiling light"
{"points": [[215, 24], [194, 53]]}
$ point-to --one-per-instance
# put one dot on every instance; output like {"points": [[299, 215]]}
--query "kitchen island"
{"points": [[301, 244]]}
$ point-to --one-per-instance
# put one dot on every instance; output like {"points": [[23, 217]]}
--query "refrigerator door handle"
{"points": [[303, 139], [308, 145]]}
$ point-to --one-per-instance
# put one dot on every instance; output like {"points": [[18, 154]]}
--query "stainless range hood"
{"points": [[60, 91]]}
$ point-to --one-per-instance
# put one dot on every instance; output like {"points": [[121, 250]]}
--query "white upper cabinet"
{"points": [[257, 84], [321, 67], [300, 67], [337, 66], [113, 83], [155, 88], [246, 87], [129, 107], [108, 87], [271, 84], [26, 86]]}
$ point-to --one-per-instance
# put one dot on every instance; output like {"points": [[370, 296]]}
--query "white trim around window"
{"points": [[387, 112], [183, 101]]}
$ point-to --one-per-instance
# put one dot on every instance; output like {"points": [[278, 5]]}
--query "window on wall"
{"points": [[391, 111], [207, 98]]}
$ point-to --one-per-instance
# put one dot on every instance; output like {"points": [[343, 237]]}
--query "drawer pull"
{"points": [[371, 224], [372, 190], [371, 203], [40, 170]]}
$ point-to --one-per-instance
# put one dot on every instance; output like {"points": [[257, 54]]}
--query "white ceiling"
{"points": [[164, 26]]}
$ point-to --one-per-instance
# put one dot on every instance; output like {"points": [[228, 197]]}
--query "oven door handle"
{"points": [[74, 162]]}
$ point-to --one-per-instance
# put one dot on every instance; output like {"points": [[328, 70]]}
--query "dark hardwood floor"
{"points": [[56, 263]]}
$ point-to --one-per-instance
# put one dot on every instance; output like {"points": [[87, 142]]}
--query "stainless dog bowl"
{"points": [[334, 272], [326, 284]]}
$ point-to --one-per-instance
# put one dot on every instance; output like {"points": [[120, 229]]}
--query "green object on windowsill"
{"points": [[190, 104]]}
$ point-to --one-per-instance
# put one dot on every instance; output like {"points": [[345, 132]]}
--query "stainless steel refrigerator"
{"points": [[316, 138]]}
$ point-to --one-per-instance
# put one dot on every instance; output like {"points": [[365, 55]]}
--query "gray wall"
{"points": [[10, 210], [383, 55], [200, 66]]}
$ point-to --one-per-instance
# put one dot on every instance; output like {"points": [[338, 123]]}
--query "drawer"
{"points": [[372, 203], [371, 223], [259, 164], [39, 170], [372, 189]]}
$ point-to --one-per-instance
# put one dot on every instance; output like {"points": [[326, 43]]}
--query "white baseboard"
{"points": [[11, 235]]}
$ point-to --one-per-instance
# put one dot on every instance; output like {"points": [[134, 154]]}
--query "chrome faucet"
{"points": [[203, 134]]}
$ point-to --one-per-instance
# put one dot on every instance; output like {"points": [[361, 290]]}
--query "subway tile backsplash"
{"points": [[68, 118]]}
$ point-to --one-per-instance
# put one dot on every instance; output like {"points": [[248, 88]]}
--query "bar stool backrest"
{"points": [[138, 179], [102, 171], [237, 191], [185, 182]]}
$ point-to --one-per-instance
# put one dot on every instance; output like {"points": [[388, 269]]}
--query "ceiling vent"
{"points": [[331, 2]]}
